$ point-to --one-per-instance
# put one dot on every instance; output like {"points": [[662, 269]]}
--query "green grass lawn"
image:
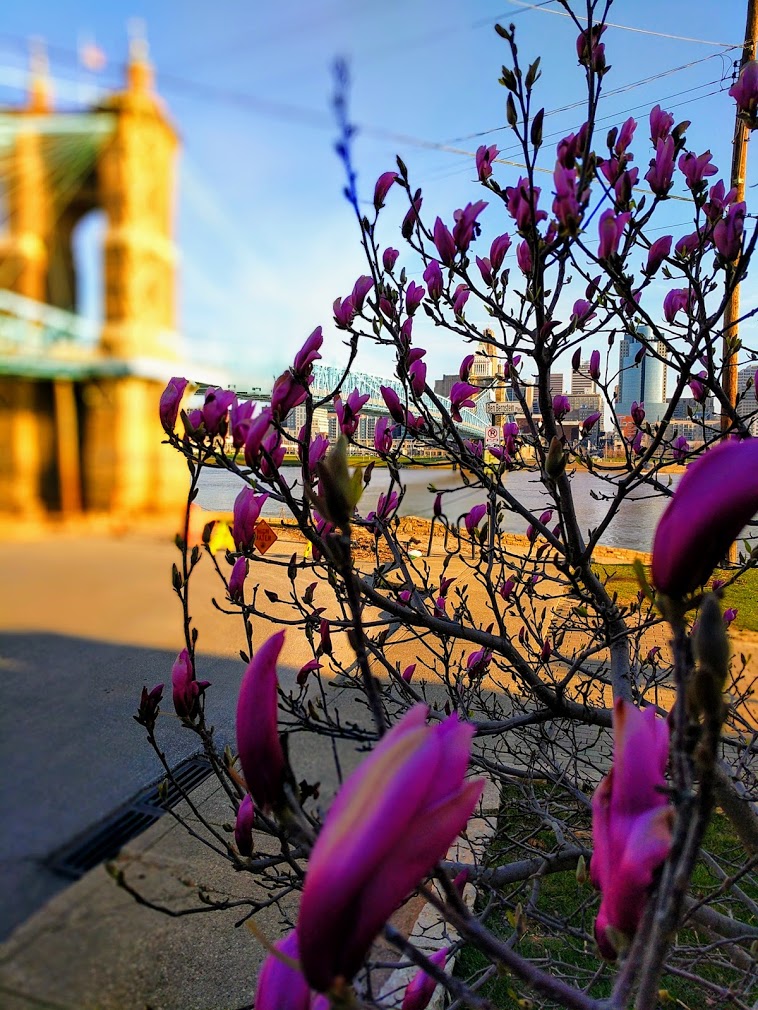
{"points": [[563, 949], [743, 594]]}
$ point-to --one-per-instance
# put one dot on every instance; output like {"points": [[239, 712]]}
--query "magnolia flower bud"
{"points": [[555, 460]]}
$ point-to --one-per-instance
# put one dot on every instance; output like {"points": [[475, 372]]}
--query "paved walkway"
{"points": [[85, 623]]}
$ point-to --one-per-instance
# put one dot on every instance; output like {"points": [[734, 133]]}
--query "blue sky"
{"points": [[267, 240]]}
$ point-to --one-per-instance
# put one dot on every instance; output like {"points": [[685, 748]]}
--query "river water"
{"points": [[633, 527]]}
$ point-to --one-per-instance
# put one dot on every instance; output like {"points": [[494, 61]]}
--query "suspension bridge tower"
{"points": [[79, 407]]}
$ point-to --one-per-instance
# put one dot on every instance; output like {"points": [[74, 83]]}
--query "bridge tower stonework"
{"points": [[87, 438]]}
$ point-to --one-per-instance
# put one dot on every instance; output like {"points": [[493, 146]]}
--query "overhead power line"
{"points": [[627, 28]]}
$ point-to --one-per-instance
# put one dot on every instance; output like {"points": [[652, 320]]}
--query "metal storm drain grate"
{"points": [[107, 838]]}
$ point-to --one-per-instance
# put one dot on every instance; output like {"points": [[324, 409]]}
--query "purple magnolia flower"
{"points": [[465, 367], [408, 672], [484, 158], [696, 169], [316, 450], [730, 614], [590, 421], [239, 421], [434, 281], [308, 354], [260, 750], [506, 589], [149, 706], [660, 124], [389, 258], [393, 404], [460, 297], [377, 844], [498, 249], [348, 412], [716, 496], [383, 435], [472, 518], [521, 204], [385, 506], [281, 987], [444, 242], [572, 147], [638, 413], [360, 289], [624, 185], [595, 365], [590, 50], [610, 229], [417, 370], [631, 822], [466, 226], [561, 405], [344, 310], [661, 170], [677, 300], [247, 510], [625, 136], [217, 404], [273, 453], [237, 581], [288, 392], [194, 421], [461, 396], [657, 253], [745, 91], [186, 690], [680, 449], [305, 670], [698, 388], [727, 232], [582, 312], [257, 429], [171, 397], [485, 269], [411, 218], [718, 201], [381, 189], [414, 296], [569, 204], [687, 245], [243, 827], [524, 257], [420, 989]]}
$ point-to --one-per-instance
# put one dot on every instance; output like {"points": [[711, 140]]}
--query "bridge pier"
{"points": [[127, 471]]}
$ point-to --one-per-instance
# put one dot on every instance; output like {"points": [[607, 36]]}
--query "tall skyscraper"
{"points": [[582, 384], [747, 403], [643, 380]]}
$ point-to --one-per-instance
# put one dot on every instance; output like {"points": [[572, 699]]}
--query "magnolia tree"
{"points": [[494, 659]]}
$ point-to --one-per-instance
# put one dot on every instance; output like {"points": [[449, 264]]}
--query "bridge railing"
{"points": [[32, 328], [326, 378]]}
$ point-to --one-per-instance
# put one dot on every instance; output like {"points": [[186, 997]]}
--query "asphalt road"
{"points": [[84, 623]]}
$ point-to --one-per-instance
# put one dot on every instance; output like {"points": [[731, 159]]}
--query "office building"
{"points": [[642, 375]]}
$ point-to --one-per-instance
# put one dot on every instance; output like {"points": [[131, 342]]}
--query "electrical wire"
{"points": [[629, 28]]}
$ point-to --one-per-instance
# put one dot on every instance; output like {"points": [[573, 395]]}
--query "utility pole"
{"points": [[739, 171]]}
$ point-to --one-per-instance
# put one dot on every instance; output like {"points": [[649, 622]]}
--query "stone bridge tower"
{"points": [[86, 436]]}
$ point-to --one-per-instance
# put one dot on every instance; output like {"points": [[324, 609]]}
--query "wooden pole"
{"points": [[67, 446], [739, 171]]}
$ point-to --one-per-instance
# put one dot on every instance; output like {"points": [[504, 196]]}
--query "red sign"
{"points": [[264, 536]]}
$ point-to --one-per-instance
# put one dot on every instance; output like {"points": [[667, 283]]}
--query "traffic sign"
{"points": [[492, 436], [264, 536]]}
